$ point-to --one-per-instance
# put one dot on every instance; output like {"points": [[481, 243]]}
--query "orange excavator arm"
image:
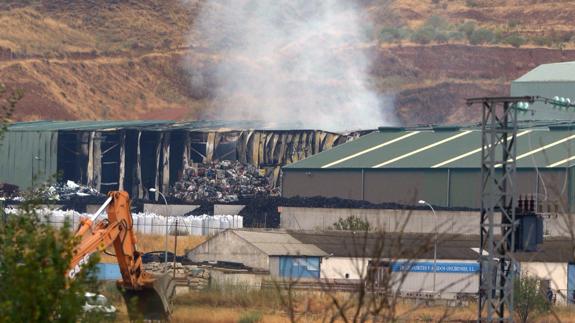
{"points": [[117, 231]]}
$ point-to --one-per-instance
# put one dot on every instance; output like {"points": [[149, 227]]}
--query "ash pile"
{"points": [[8, 191], [68, 191], [54, 192], [224, 181]]}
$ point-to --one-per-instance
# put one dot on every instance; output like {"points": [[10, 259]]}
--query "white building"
{"points": [[404, 261]]}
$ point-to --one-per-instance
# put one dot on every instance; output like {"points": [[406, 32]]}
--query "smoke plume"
{"points": [[298, 63]]}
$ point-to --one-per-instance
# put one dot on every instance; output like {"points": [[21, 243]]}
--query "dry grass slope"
{"points": [[128, 59]]}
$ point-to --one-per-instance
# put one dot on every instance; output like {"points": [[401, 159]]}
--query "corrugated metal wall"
{"points": [[442, 187], [28, 157], [548, 90]]}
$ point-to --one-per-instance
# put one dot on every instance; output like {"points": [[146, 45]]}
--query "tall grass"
{"points": [[250, 317], [232, 296]]}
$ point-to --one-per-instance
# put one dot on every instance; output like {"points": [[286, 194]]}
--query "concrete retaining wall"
{"points": [[222, 278], [420, 221], [415, 221]]}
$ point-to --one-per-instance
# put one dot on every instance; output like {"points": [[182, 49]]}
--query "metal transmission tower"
{"points": [[498, 158]]}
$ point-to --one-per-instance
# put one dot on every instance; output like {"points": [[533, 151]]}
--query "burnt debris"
{"points": [[224, 181], [8, 191]]}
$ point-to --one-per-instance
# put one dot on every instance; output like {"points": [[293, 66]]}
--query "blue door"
{"points": [[299, 267]]}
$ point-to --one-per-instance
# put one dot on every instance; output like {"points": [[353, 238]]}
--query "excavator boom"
{"points": [[147, 295]]}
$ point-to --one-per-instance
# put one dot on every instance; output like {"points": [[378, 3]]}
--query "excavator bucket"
{"points": [[152, 302]]}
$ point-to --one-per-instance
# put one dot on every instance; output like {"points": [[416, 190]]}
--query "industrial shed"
{"points": [[353, 254], [278, 253], [438, 164], [547, 80], [137, 155], [345, 257]]}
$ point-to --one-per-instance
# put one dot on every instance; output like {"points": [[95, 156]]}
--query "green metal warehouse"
{"points": [[441, 164], [438, 164], [137, 155], [549, 81]]}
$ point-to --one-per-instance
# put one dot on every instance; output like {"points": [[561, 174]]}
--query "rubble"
{"points": [[8, 191], [69, 190], [264, 212], [196, 277], [224, 181], [56, 192]]}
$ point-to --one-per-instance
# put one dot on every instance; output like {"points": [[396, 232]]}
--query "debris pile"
{"points": [[225, 181], [8, 191], [196, 277], [68, 191], [264, 212]]}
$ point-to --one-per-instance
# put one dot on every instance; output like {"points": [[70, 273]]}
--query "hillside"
{"points": [[141, 59]]}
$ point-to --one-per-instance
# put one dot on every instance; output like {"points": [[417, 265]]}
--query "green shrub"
{"points": [[513, 23], [542, 41], [456, 35], [34, 260], [481, 36], [471, 3], [514, 40], [393, 34], [423, 35], [528, 299], [498, 36], [250, 317], [352, 223], [441, 37], [467, 28]]}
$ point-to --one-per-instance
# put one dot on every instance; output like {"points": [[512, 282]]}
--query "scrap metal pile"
{"points": [[223, 181], [8, 191], [57, 192], [70, 190]]}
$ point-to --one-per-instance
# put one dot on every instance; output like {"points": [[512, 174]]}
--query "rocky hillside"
{"points": [[138, 59]]}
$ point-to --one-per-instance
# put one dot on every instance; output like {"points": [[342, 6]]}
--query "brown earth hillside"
{"points": [[138, 59]]}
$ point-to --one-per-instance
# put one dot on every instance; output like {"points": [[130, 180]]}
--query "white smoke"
{"points": [[301, 63]]}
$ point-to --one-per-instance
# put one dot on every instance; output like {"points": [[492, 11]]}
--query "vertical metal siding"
{"points": [[406, 186], [343, 184], [465, 188], [17, 152]]}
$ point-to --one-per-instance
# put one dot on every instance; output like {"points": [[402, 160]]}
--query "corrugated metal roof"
{"points": [[83, 125], [279, 243], [555, 72], [151, 125], [350, 244], [545, 145]]}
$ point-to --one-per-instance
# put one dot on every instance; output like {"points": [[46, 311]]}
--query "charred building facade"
{"points": [[138, 155]]}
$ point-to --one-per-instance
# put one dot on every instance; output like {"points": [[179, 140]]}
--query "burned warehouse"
{"points": [[138, 155]]}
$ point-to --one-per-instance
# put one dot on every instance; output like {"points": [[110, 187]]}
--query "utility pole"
{"points": [[175, 247], [498, 169]]}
